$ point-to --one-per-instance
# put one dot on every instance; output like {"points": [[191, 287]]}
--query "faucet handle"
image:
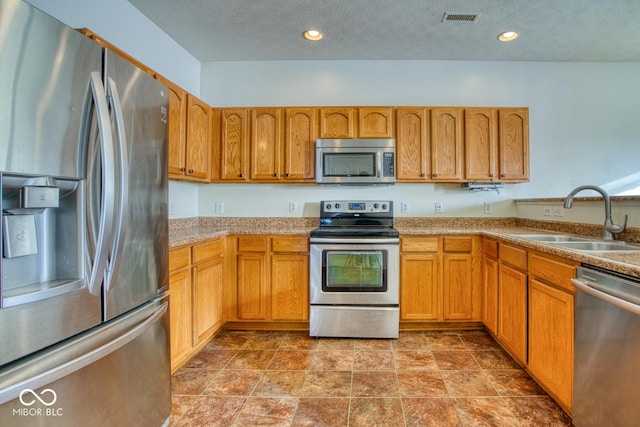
{"points": [[617, 228]]}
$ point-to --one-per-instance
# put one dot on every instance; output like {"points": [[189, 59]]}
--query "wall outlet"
{"points": [[438, 207], [293, 207], [404, 207], [547, 211], [558, 211], [488, 207], [219, 207]]}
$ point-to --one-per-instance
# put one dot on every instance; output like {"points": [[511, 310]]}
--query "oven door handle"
{"points": [[350, 241]]}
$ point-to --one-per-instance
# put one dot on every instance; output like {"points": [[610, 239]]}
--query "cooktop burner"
{"points": [[349, 218]]}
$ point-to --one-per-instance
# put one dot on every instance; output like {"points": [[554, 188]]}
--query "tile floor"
{"points": [[421, 379]]}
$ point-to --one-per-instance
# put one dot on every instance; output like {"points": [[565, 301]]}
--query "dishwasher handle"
{"points": [[618, 302]]}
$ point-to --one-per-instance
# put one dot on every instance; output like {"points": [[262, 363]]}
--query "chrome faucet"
{"points": [[609, 226]]}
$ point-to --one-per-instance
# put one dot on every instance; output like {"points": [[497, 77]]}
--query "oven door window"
{"points": [[349, 164], [354, 271]]}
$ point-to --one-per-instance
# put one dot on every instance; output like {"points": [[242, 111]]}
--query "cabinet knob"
{"points": [[190, 171], [423, 175], [287, 175], [435, 175], [183, 169], [275, 175], [241, 175], [503, 175], [492, 175]]}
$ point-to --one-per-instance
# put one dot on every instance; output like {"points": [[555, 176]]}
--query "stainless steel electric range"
{"points": [[354, 271]]}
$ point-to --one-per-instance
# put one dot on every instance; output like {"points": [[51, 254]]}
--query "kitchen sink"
{"points": [[597, 246], [549, 238]]}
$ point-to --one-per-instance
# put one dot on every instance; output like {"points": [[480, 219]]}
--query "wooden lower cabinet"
{"points": [[528, 305], [271, 280], [512, 311], [195, 297], [439, 279], [180, 317]]}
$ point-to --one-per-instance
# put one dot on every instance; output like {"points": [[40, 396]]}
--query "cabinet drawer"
{"points": [[513, 256], [207, 251], [551, 271], [252, 244], [179, 258], [490, 248], [289, 244], [419, 244], [457, 244]]}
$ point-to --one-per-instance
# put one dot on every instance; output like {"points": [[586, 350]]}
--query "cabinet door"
{"points": [[234, 143], [207, 299], [490, 294], [290, 287], [180, 317], [338, 122], [300, 142], [413, 155], [551, 339], [514, 144], [199, 139], [446, 144], [419, 293], [375, 122], [481, 143], [512, 311], [458, 286], [266, 144], [177, 133], [252, 286]]}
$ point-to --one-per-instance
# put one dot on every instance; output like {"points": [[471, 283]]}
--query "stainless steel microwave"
{"points": [[356, 161]]}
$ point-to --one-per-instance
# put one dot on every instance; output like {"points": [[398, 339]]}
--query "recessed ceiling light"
{"points": [[313, 35], [508, 36]]}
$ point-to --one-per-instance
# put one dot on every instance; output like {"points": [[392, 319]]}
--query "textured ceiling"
{"points": [[257, 30]]}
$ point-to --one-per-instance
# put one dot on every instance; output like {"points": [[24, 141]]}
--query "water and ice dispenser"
{"points": [[41, 229]]}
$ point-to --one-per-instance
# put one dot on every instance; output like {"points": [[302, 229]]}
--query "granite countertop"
{"points": [[193, 230]]}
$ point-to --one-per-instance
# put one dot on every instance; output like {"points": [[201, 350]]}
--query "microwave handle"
{"points": [[379, 164]]}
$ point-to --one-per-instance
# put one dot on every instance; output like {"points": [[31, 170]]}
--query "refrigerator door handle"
{"points": [[105, 228], [122, 164], [13, 391]]}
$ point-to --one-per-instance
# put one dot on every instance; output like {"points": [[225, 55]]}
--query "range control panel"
{"points": [[350, 206]]}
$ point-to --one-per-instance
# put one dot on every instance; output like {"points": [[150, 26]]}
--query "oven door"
{"points": [[354, 271]]}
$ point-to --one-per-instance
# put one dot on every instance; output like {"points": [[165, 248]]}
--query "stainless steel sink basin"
{"points": [[549, 238], [598, 246]]}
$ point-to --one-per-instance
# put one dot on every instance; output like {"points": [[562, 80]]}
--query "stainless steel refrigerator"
{"points": [[83, 305]]}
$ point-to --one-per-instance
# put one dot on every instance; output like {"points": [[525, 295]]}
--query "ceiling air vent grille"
{"points": [[460, 17]]}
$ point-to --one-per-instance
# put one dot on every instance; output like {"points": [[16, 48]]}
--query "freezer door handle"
{"points": [[105, 227], [13, 391], [122, 164]]}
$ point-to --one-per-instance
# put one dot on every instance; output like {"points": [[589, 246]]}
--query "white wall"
{"points": [[121, 24], [584, 123]]}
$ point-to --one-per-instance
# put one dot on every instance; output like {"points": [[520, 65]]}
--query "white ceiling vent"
{"points": [[460, 17]]}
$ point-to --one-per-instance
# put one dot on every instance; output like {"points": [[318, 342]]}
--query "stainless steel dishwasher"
{"points": [[607, 349]]}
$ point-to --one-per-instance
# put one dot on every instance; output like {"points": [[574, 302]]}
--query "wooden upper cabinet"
{"points": [[234, 144], [375, 122], [199, 139], [481, 144], [413, 152], [338, 122], [266, 144], [177, 130], [446, 144], [299, 146], [513, 144]]}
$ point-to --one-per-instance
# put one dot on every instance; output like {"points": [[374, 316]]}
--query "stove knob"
{"points": [[328, 207], [375, 206], [337, 206], [384, 206]]}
